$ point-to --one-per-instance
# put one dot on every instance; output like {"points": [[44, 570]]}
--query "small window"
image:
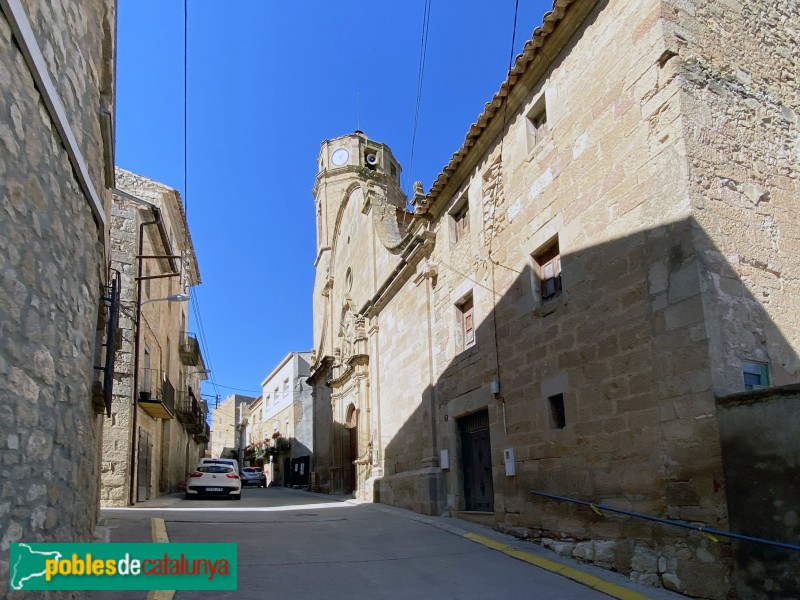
{"points": [[461, 220], [467, 322], [558, 418], [537, 124], [548, 270], [756, 375]]}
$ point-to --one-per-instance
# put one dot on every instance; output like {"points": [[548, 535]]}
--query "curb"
{"points": [[610, 589]]}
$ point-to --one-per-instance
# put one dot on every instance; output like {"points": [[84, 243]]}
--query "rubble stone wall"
{"points": [[53, 271]]}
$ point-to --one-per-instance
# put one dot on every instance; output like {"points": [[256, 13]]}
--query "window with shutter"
{"points": [[548, 270]]}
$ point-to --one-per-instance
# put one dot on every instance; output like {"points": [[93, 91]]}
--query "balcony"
{"points": [[203, 436], [187, 409], [189, 349], [156, 394]]}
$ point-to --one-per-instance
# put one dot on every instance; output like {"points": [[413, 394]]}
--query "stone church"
{"points": [[603, 270]]}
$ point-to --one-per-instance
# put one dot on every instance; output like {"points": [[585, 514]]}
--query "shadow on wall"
{"points": [[607, 395]]}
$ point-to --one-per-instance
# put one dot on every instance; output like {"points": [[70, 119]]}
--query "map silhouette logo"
{"points": [[27, 564]]}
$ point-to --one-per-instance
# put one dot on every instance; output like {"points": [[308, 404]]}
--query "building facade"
{"points": [[226, 426], [609, 252], [287, 422], [157, 431], [57, 74]]}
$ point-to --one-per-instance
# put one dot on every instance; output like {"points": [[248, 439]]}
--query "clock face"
{"points": [[340, 156]]}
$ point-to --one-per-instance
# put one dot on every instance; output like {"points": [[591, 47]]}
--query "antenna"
{"points": [[358, 111]]}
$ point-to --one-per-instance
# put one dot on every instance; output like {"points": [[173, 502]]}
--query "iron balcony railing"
{"points": [[189, 349], [155, 389], [203, 435]]}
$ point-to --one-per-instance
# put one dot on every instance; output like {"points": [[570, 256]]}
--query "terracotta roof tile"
{"points": [[491, 108]]}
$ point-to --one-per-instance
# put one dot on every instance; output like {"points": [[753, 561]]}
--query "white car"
{"points": [[215, 461], [214, 479]]}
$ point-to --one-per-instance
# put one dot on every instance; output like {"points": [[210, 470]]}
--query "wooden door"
{"points": [[144, 466], [476, 455]]}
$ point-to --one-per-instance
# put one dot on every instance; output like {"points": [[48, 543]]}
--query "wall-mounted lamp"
{"points": [[170, 298]]}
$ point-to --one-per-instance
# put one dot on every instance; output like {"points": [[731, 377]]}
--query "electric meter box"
{"points": [[508, 458]]}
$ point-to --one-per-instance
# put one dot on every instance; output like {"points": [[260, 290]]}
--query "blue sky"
{"points": [[267, 83]]}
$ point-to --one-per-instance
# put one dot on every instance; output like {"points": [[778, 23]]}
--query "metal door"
{"points": [[476, 455], [144, 467]]}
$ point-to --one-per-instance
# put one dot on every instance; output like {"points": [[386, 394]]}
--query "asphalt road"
{"points": [[293, 544]]}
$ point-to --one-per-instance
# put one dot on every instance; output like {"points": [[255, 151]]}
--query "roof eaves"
{"points": [[529, 52]]}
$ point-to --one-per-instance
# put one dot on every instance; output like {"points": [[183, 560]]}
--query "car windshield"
{"points": [[214, 469]]}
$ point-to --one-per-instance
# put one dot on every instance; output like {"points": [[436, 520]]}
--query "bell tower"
{"points": [[342, 162]]}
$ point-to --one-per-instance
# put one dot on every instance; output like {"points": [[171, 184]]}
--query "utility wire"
{"points": [[497, 195], [202, 336], [426, 16], [185, 107]]}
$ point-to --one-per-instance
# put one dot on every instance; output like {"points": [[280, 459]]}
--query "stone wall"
{"points": [[53, 272], [117, 437], [760, 450], [741, 108]]}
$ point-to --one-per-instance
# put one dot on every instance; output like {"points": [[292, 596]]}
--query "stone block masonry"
{"points": [[52, 273]]}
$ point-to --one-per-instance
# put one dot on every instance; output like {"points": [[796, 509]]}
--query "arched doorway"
{"points": [[351, 424]]}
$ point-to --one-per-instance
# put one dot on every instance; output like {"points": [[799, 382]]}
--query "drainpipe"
{"points": [[136, 343]]}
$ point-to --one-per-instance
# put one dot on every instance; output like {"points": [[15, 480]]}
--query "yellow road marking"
{"points": [[611, 589], [158, 530]]}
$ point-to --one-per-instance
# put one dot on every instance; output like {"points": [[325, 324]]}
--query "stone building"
{"points": [[157, 431], [611, 251], [287, 417], [226, 425], [56, 174]]}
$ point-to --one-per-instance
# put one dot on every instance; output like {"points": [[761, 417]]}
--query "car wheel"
{"points": [[188, 496]]}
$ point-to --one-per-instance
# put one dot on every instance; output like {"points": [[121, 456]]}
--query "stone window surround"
{"points": [[460, 215], [466, 289]]}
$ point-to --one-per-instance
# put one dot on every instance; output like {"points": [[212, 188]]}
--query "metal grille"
{"points": [[474, 422]]}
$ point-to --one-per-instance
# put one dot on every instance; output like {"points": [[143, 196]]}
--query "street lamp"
{"points": [[170, 298]]}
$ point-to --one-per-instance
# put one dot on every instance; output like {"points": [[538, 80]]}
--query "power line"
{"points": [[185, 107], [227, 387], [426, 16], [202, 337]]}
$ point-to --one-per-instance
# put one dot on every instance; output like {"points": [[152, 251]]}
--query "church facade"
{"points": [[607, 255]]}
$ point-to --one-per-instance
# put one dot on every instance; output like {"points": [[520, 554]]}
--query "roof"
{"points": [[529, 52]]}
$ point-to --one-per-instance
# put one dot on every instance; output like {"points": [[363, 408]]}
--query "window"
{"points": [[537, 123], [756, 375], [548, 270], [285, 387], [461, 219], [275, 395], [558, 418], [466, 319]]}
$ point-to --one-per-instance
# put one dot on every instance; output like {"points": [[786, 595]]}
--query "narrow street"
{"points": [[294, 544]]}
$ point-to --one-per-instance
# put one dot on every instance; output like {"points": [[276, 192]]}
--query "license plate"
{"points": [[213, 489]]}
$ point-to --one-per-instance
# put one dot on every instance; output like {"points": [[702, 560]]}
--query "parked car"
{"points": [[253, 476], [217, 461], [218, 479]]}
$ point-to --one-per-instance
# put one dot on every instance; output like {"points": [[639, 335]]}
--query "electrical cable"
{"points": [[422, 52], [185, 107], [494, 212]]}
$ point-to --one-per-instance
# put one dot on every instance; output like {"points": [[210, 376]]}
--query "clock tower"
{"points": [[344, 162]]}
